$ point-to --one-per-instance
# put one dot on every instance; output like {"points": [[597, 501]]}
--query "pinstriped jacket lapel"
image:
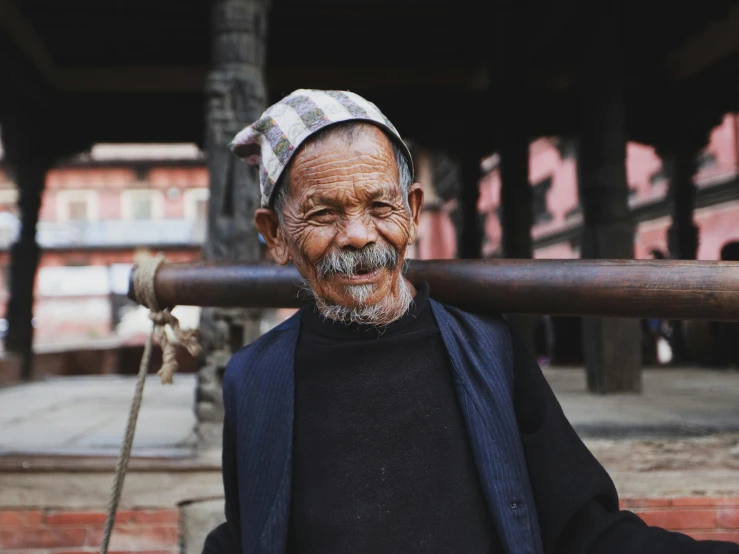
{"points": [[481, 354], [258, 390]]}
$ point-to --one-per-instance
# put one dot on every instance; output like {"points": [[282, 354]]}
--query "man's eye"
{"points": [[381, 207], [321, 215]]}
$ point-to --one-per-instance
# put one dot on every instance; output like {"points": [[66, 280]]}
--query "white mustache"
{"points": [[349, 262]]}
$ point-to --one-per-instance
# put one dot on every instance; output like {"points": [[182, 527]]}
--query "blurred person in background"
{"points": [[656, 332]]}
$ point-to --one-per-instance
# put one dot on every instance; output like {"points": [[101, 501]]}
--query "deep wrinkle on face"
{"points": [[345, 194]]}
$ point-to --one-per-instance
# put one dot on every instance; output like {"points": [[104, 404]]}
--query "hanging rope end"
{"points": [[146, 296]]}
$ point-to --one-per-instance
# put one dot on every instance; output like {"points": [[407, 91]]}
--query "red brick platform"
{"points": [[157, 531], [78, 532], [702, 518]]}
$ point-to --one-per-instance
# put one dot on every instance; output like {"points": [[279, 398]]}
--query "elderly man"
{"points": [[377, 420]]}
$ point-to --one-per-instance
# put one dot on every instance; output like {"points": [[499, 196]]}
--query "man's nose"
{"points": [[357, 232]]}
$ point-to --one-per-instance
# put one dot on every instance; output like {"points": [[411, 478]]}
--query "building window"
{"points": [[706, 160], [658, 176], [77, 210], [142, 204], [195, 204], [539, 201], [77, 205], [141, 207], [9, 200], [574, 212]]}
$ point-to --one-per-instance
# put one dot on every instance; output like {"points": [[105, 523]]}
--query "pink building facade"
{"points": [[553, 174], [99, 213]]}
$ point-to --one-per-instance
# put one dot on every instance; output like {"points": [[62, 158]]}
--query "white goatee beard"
{"points": [[349, 262], [384, 312]]}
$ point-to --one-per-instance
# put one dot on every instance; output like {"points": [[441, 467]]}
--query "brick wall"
{"points": [[157, 531], [700, 517], [68, 532]]}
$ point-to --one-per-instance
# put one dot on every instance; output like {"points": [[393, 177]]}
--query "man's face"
{"points": [[345, 198]]}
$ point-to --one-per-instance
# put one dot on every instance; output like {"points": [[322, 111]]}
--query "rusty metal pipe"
{"points": [[670, 289]]}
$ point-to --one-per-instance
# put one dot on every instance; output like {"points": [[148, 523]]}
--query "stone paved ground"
{"points": [[682, 415], [673, 403], [87, 416], [680, 438]]}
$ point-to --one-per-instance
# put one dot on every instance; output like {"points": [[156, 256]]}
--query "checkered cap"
{"points": [[271, 141]]}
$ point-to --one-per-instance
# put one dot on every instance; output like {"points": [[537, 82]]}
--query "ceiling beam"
{"points": [[107, 79], [367, 77], [706, 48]]}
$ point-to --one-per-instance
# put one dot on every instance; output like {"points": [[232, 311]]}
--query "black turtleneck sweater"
{"points": [[381, 459]]}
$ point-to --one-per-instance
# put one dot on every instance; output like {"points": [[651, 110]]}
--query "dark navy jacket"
{"points": [[545, 490], [258, 396]]}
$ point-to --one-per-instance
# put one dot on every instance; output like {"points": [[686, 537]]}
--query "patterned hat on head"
{"points": [[271, 141]]}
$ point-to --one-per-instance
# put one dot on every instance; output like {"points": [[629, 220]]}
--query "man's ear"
{"points": [[415, 202], [268, 225]]}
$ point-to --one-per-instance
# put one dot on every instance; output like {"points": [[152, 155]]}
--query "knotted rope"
{"points": [[143, 285]]}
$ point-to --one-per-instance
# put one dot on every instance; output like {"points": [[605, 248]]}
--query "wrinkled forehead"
{"points": [[336, 165]]}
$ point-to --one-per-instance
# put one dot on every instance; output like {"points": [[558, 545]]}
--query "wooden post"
{"points": [[236, 96], [679, 162], [469, 241], [682, 235], [30, 176], [515, 193], [612, 347]]}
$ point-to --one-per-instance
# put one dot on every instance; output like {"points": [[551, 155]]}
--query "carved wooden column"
{"points": [[236, 96], [30, 175], [612, 347]]}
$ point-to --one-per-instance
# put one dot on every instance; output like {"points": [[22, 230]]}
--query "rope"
{"points": [[143, 285], [125, 455]]}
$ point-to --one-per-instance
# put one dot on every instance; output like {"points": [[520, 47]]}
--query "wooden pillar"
{"points": [[612, 347], [469, 240], [682, 235], [515, 196], [30, 176], [235, 96], [512, 121], [516, 213], [679, 162]]}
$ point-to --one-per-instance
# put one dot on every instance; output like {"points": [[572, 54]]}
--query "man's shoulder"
{"points": [[451, 315], [268, 348]]}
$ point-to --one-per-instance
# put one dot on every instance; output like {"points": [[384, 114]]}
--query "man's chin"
{"points": [[355, 296], [372, 304]]}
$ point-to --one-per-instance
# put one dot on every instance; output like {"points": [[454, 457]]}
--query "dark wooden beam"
{"points": [[624, 288], [718, 40]]}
